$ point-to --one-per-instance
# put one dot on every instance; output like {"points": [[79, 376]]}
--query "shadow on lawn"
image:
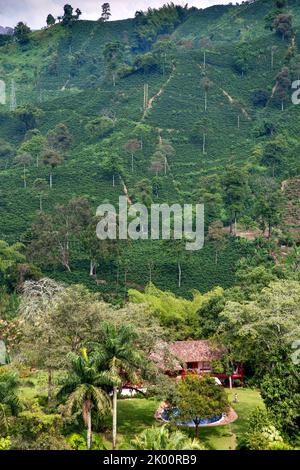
{"points": [[135, 415]]}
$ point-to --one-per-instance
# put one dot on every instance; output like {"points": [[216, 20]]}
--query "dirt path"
{"points": [[149, 106], [125, 190], [233, 101], [65, 85], [159, 93]]}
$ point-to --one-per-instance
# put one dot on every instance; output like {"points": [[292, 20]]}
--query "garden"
{"points": [[137, 414]]}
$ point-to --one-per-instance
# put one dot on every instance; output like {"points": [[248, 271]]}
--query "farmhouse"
{"points": [[200, 357]]}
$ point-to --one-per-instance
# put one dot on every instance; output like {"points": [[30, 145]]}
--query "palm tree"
{"points": [[9, 402], [119, 360], [161, 438], [82, 388]]}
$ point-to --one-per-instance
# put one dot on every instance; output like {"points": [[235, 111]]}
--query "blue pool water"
{"points": [[174, 415]]}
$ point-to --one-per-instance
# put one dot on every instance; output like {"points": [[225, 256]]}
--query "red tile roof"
{"points": [[171, 356], [195, 351]]}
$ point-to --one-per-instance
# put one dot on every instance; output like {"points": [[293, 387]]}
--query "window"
{"points": [[192, 365], [204, 365]]}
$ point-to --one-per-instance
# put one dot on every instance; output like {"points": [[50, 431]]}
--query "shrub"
{"points": [[78, 442], [100, 127], [261, 433], [161, 438], [33, 422], [5, 443], [260, 98], [146, 63]]}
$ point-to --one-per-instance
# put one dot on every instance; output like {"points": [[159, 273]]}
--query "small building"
{"points": [[195, 355], [199, 357]]}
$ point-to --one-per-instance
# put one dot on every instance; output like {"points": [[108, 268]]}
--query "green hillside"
{"points": [[63, 72]]}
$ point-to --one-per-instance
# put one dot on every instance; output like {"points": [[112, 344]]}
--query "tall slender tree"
{"points": [[119, 360], [40, 188], [24, 159], [83, 390], [52, 159], [132, 146], [206, 85], [113, 52], [235, 189]]}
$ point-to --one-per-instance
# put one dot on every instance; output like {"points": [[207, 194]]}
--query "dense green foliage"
{"points": [[199, 398], [67, 82], [162, 439]]}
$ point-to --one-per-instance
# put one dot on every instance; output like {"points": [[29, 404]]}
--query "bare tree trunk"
{"points": [[204, 143], [150, 271], [205, 101], [125, 284], [179, 274], [272, 59], [92, 268], [68, 267], [89, 429], [115, 399], [41, 203], [132, 162], [50, 386], [24, 177], [66, 264], [230, 382], [50, 180]]}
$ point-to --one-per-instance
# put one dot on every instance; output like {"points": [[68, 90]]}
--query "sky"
{"points": [[34, 12]]}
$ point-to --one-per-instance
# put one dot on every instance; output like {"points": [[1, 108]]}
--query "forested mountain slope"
{"points": [[218, 117]]}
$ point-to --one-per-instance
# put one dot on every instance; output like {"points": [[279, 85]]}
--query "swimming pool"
{"points": [[173, 415]]}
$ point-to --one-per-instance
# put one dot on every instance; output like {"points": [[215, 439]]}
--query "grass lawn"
{"points": [[137, 414], [36, 384], [134, 416], [33, 385], [224, 437]]}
